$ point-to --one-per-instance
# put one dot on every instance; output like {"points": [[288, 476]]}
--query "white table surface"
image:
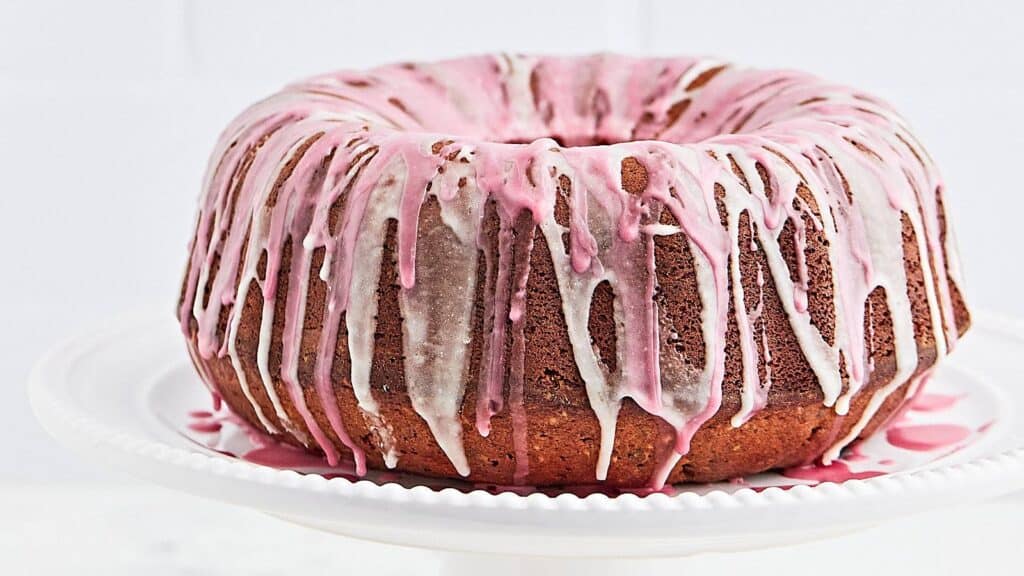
{"points": [[115, 529]]}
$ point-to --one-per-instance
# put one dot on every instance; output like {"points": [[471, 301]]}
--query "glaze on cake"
{"points": [[556, 271]]}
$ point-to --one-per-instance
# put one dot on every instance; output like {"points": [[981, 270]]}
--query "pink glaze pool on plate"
{"points": [[934, 425]]}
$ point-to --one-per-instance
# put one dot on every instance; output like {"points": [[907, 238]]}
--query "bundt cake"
{"points": [[567, 271]]}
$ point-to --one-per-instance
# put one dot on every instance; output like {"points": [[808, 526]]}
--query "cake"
{"points": [[559, 271]]}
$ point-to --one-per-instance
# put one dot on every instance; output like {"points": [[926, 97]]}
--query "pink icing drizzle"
{"points": [[283, 456], [207, 427], [933, 402], [837, 471], [926, 437]]}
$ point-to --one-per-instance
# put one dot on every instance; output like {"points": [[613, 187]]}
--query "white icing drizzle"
{"points": [[437, 316], [361, 310]]}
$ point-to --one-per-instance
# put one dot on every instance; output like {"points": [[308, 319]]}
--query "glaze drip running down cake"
{"points": [[565, 271]]}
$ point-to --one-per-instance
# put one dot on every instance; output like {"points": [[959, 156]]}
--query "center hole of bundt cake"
{"points": [[568, 141]]}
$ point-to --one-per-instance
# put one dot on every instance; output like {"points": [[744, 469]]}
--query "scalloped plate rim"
{"points": [[987, 475]]}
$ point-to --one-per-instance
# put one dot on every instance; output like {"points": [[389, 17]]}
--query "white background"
{"points": [[108, 110]]}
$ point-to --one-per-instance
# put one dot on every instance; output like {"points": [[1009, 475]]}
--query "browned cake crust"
{"points": [[794, 428]]}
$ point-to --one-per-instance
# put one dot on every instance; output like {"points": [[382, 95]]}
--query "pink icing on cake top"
{"points": [[504, 129]]}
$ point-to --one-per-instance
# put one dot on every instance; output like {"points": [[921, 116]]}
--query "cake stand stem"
{"points": [[461, 564]]}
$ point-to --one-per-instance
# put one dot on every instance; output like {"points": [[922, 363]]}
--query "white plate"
{"points": [[122, 396]]}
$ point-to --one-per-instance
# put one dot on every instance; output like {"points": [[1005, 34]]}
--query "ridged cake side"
{"points": [[755, 272]]}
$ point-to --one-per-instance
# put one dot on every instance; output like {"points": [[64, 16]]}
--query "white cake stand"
{"points": [[120, 396]]}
